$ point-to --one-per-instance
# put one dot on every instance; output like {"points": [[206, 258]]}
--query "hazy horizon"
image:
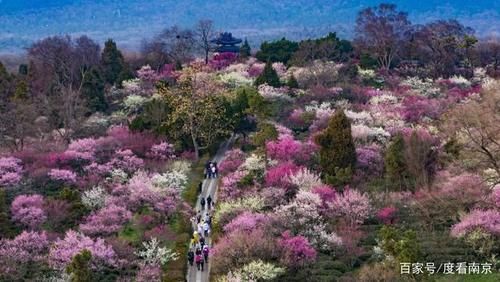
{"points": [[129, 21]]}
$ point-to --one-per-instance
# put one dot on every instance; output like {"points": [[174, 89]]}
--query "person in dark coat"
{"points": [[202, 203], [191, 257], [209, 202], [200, 187]]}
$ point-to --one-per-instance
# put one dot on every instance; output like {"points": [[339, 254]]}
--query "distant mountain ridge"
{"points": [[128, 21]]}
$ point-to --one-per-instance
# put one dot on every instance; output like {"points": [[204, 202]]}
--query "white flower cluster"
{"points": [[314, 106], [460, 81], [273, 93], [360, 117], [257, 270], [366, 73], [133, 103], [235, 79], [171, 179], [305, 179], [132, 86], [153, 254], [254, 163], [385, 98], [423, 87], [365, 133], [94, 198]]}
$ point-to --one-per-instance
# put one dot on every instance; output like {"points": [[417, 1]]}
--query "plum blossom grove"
{"points": [[340, 167]]}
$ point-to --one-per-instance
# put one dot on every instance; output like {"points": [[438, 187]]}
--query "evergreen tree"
{"points": [[5, 81], [395, 164], [292, 82], [93, 91], [79, 268], [21, 91], [268, 76], [113, 63], [23, 69], [277, 51], [245, 50], [6, 229], [337, 153]]}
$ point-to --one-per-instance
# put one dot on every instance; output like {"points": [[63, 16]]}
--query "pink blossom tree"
{"points": [[387, 215], [28, 210], [232, 160], [246, 221], [285, 148], [126, 161], [63, 250], [106, 221], [278, 175], [64, 175], [10, 171], [296, 250], [352, 206], [485, 220], [162, 151], [22, 252]]}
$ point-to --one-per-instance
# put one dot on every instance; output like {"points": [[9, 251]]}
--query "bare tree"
{"points": [[438, 45], [62, 66], [476, 127], [381, 31], [205, 32], [489, 54], [172, 45]]}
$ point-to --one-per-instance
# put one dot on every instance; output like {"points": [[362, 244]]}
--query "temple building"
{"points": [[227, 43]]}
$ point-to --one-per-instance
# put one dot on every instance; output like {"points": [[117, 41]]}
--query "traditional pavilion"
{"points": [[227, 43]]}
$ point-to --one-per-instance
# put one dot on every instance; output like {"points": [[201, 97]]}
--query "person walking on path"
{"points": [[202, 203], [198, 217], [198, 259], [209, 202], [206, 228], [213, 171], [205, 253], [196, 237], [200, 187], [202, 241], [190, 257]]}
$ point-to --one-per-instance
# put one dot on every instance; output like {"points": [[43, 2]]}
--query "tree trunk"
{"points": [[206, 57], [196, 148]]}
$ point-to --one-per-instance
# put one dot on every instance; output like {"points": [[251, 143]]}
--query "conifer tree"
{"points": [[5, 81], [79, 268], [268, 76], [292, 82], [245, 50], [93, 91], [337, 153], [6, 229], [113, 63], [395, 164]]}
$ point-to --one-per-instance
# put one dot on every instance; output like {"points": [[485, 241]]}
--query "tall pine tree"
{"points": [[396, 170], [93, 91], [113, 64], [268, 76], [5, 82], [245, 50], [79, 268], [337, 153]]}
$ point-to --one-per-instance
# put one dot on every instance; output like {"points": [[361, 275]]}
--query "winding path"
{"points": [[209, 187]]}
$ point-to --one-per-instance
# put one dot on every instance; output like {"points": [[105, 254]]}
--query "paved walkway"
{"points": [[209, 188]]}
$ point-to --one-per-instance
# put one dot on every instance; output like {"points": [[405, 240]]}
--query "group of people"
{"points": [[211, 170], [199, 249], [202, 224]]}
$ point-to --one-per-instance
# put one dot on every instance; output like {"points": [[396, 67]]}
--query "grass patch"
{"points": [[190, 194]]}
